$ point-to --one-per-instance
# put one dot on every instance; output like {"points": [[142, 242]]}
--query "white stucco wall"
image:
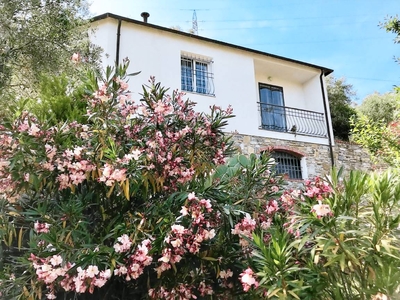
{"points": [[104, 35], [237, 73]]}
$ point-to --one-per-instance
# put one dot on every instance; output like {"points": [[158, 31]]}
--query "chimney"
{"points": [[145, 15]]}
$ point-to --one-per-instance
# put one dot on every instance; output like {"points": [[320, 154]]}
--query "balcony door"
{"points": [[272, 107]]}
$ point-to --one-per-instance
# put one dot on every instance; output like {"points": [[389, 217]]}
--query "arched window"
{"points": [[287, 163]]}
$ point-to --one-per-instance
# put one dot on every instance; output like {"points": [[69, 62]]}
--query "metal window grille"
{"points": [[187, 74], [287, 164], [196, 76]]}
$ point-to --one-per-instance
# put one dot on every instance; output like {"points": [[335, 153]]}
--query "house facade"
{"points": [[280, 104]]}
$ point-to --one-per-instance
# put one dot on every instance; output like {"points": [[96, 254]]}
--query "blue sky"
{"points": [[343, 35]]}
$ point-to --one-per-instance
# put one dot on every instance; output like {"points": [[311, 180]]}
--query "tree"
{"points": [[340, 95], [38, 37], [379, 138], [378, 127], [392, 24], [380, 107]]}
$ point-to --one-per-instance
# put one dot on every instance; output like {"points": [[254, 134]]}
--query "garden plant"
{"points": [[147, 199]]}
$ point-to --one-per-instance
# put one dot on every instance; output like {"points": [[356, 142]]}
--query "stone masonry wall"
{"points": [[350, 156]]}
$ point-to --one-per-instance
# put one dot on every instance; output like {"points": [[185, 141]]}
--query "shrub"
{"points": [[147, 201], [345, 243], [134, 200]]}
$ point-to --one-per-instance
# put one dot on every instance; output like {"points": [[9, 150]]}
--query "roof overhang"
{"points": [[325, 71]]}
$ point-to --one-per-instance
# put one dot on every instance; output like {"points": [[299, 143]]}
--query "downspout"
{"points": [[326, 118], [118, 43]]}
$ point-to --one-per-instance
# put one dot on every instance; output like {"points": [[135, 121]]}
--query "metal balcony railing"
{"points": [[292, 120]]}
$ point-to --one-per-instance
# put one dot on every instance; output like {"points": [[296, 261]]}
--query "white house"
{"points": [[280, 104]]}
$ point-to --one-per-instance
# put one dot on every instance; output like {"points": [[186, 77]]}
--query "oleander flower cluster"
{"points": [[134, 263], [248, 279], [245, 230], [182, 240], [281, 207], [57, 274], [317, 188]]}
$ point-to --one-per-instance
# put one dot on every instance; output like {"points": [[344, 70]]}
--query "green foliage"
{"points": [[127, 168], [38, 38], [376, 128], [392, 24], [58, 101], [380, 107], [340, 96], [380, 139], [351, 253], [138, 200]]}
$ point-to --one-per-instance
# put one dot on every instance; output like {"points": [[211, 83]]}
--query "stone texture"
{"points": [[350, 156]]}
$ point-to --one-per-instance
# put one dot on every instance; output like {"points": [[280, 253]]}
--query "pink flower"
{"points": [[208, 235], [56, 260], [119, 175], [26, 177], [272, 207], [123, 85], [41, 227], [206, 203], [176, 243], [248, 280], [136, 262], [75, 58], [135, 154], [106, 274], [266, 224], [225, 274], [179, 229], [51, 296], [124, 244], [120, 271], [184, 211], [205, 289], [321, 210], [275, 188], [92, 271], [34, 130], [313, 192], [99, 282]]}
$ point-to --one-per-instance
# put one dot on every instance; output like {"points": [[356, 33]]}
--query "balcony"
{"points": [[292, 120]]}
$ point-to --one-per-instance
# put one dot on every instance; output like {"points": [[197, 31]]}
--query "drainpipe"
{"points": [[118, 43], [326, 117]]}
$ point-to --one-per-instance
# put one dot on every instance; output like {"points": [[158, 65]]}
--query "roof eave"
{"points": [[326, 71]]}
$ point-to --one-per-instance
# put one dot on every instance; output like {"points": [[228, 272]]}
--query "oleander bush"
{"points": [[147, 200]]}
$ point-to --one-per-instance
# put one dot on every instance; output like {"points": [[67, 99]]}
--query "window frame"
{"points": [[197, 76], [278, 116], [285, 157]]}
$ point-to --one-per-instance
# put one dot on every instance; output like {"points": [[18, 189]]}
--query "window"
{"points": [[196, 76], [287, 163], [273, 115]]}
